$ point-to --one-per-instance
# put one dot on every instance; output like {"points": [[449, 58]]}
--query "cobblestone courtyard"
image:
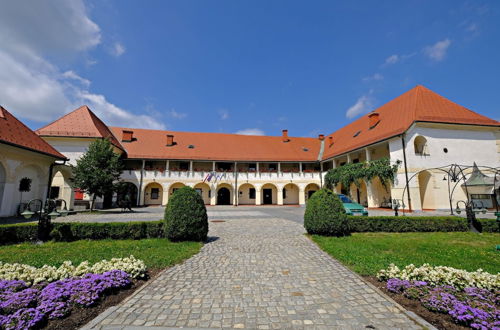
{"points": [[257, 273]]}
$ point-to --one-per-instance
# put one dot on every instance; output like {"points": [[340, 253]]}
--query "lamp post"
{"points": [[45, 214], [470, 211]]}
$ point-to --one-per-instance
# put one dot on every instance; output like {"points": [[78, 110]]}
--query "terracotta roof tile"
{"points": [[81, 122], [152, 144], [419, 104], [14, 132]]}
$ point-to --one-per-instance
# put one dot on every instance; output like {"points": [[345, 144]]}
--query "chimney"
{"points": [[330, 141], [127, 136], [321, 137], [373, 119], [170, 140], [285, 135]]}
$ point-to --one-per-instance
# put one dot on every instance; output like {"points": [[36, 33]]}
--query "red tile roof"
{"points": [[81, 122], [419, 104], [14, 132], [152, 144]]}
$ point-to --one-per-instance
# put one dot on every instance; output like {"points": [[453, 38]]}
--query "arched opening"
{"points": [[269, 194], [425, 188], [3, 179], [246, 194], [126, 193], [310, 190], [174, 187], [60, 188], [290, 194], [381, 196], [359, 194], [153, 194], [204, 190], [420, 145], [223, 196]]}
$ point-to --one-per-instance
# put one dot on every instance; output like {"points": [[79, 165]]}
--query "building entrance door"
{"points": [[223, 196], [268, 196]]}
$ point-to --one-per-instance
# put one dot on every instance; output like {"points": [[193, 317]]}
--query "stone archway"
{"points": [[127, 191], [153, 194], [246, 194], [291, 194], [173, 187], [425, 189], [269, 194], [223, 196], [204, 190], [310, 189]]}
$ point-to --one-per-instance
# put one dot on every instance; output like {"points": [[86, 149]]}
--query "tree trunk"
{"points": [[93, 202]]}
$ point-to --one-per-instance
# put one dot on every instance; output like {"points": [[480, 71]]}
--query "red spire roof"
{"points": [[14, 132], [419, 104], [81, 122]]}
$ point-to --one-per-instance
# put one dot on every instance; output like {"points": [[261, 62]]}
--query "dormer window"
{"points": [[356, 134]]}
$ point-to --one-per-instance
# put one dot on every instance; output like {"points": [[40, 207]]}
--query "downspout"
{"points": [[236, 192], [320, 157], [406, 171]]}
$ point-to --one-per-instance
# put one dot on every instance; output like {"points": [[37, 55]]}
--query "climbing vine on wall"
{"points": [[354, 173]]}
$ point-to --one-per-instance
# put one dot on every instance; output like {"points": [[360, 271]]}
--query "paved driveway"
{"points": [[257, 272]]}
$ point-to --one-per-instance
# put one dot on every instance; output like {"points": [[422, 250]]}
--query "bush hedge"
{"points": [[186, 216], [403, 224], [325, 215], [12, 234]]}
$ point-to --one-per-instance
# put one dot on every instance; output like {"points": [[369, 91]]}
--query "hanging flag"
{"points": [[206, 177]]}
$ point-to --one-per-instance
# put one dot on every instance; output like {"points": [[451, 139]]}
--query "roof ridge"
{"points": [[61, 118]]}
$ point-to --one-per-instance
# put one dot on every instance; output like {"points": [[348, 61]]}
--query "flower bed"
{"points": [[26, 307], [31, 275], [474, 307], [470, 298], [441, 275]]}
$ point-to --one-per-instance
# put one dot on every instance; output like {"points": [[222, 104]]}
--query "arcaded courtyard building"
{"points": [[420, 128]]}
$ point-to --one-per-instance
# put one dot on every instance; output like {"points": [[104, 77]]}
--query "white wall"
{"points": [[465, 145]]}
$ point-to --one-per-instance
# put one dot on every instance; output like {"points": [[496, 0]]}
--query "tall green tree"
{"points": [[97, 170]]}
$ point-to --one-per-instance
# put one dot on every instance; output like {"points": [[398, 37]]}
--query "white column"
{"points": [[334, 163], [191, 167], [368, 154], [165, 196], [258, 197], [349, 159], [280, 196], [213, 194], [279, 167], [213, 166], [302, 195]]}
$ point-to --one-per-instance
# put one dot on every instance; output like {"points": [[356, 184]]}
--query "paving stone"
{"points": [[258, 273]]}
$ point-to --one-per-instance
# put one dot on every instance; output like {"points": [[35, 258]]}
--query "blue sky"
{"points": [[243, 66]]}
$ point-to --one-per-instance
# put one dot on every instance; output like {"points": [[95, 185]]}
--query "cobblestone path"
{"points": [[257, 274]]}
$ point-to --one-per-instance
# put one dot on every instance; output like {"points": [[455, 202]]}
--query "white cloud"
{"points": [[223, 114], [33, 87], [392, 59], [115, 116], [72, 75], [363, 105], [251, 131], [177, 115], [118, 49], [374, 77], [437, 52]]}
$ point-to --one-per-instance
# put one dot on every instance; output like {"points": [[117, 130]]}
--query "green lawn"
{"points": [[156, 253], [367, 253]]}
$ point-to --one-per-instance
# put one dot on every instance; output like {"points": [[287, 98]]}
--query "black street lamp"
{"points": [[45, 214], [470, 211]]}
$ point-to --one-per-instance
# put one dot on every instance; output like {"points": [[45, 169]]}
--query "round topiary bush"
{"points": [[325, 215], [186, 216]]}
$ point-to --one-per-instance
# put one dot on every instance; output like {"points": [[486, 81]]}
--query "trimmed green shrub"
{"points": [[325, 215], [66, 232], [186, 216], [403, 224]]}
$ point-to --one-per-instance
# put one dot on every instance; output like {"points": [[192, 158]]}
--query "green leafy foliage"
{"points": [[325, 215], [97, 170], [355, 172], [186, 216], [417, 224], [66, 232]]}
